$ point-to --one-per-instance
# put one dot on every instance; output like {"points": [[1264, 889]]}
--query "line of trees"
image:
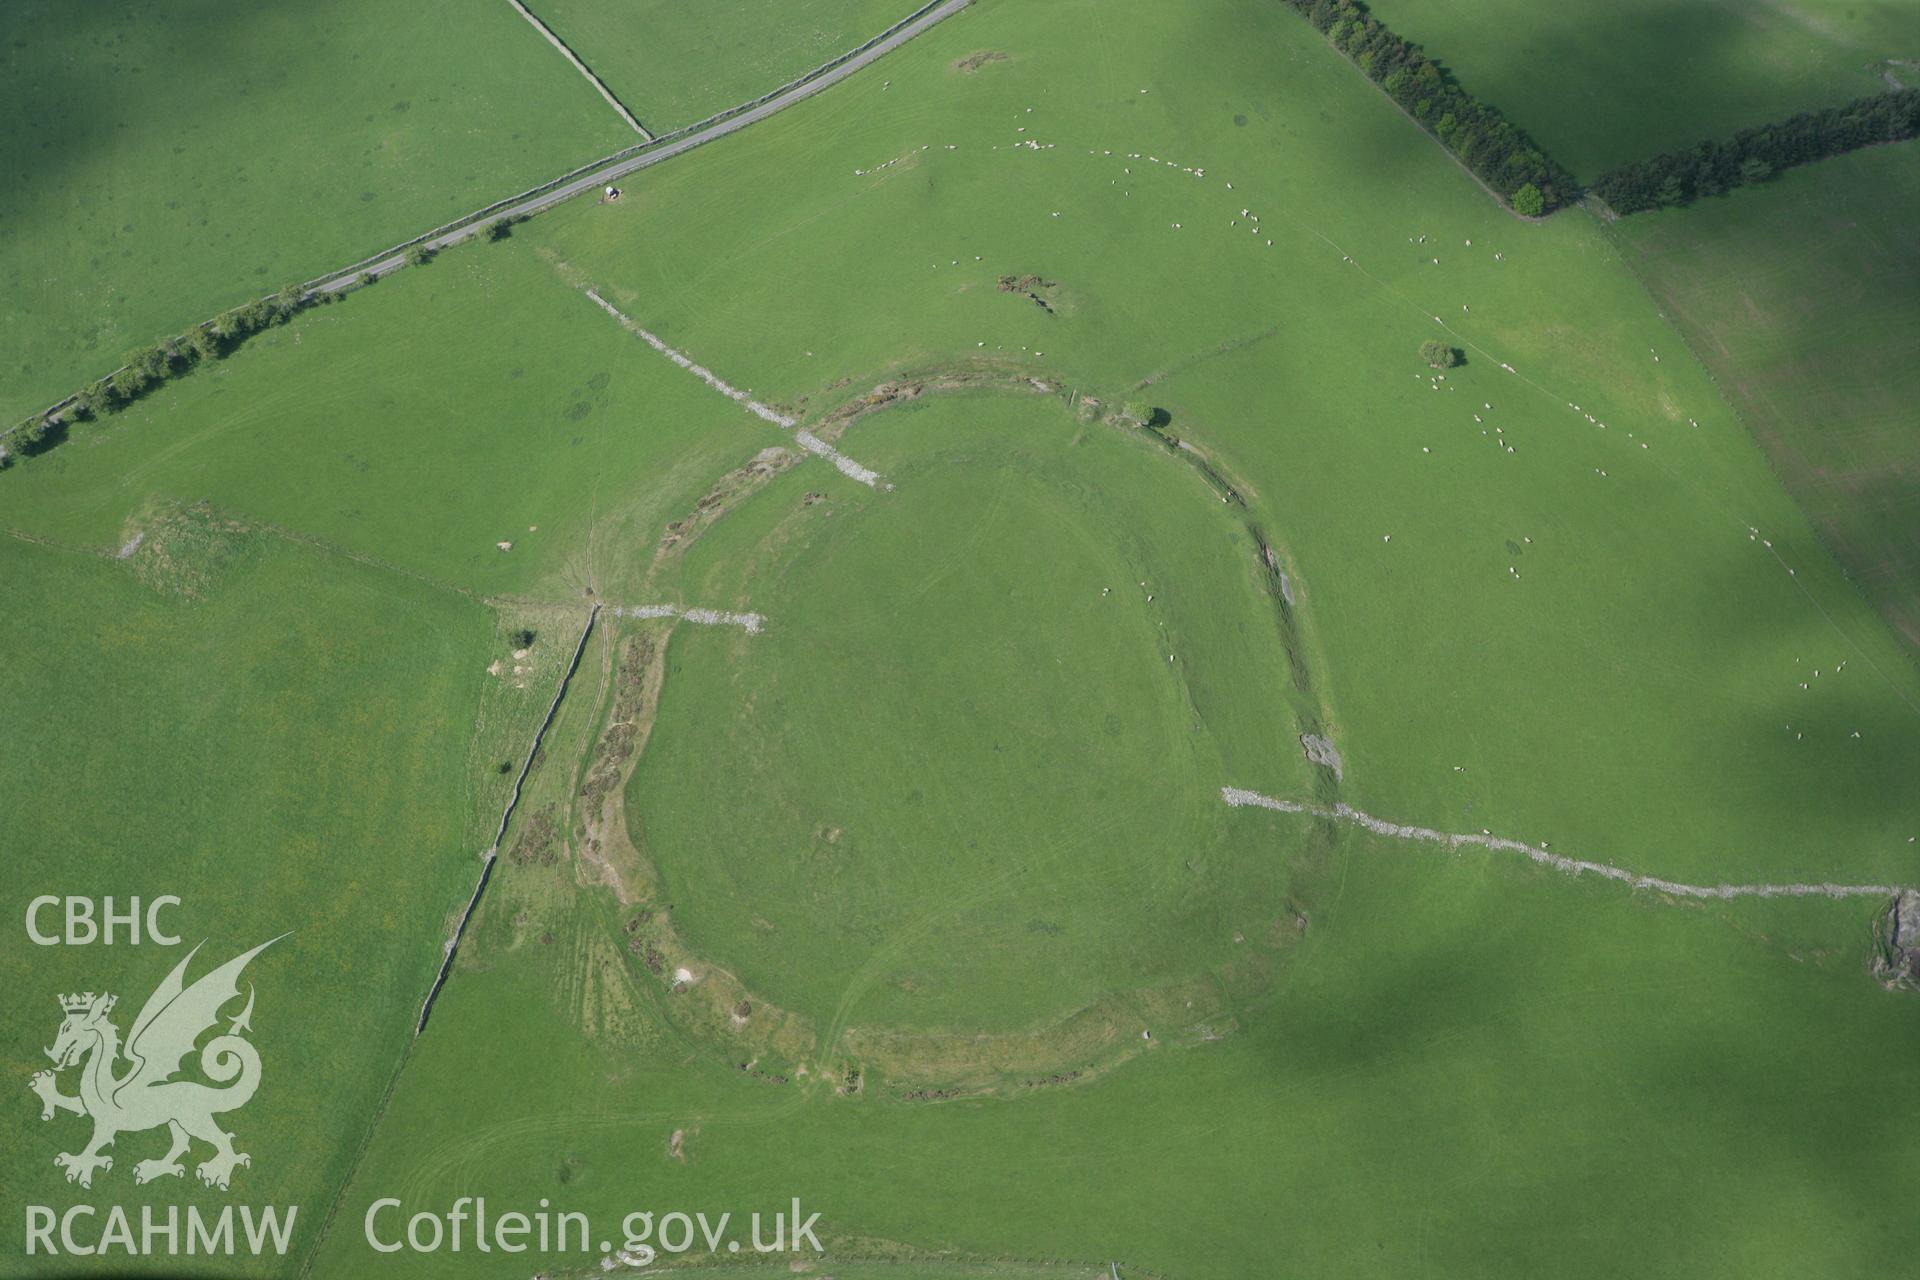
{"points": [[1753, 155], [151, 366], [1489, 144], [171, 357]]}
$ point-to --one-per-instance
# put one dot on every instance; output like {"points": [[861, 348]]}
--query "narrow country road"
{"points": [[595, 174], [612, 173]]}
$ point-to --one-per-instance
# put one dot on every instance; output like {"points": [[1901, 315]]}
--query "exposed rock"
{"points": [[1896, 962], [1322, 752]]}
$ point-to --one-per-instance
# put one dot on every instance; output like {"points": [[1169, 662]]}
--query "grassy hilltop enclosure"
{"points": [[170, 161], [1556, 571], [1132, 679], [1600, 85], [1534, 605], [1082, 593]]}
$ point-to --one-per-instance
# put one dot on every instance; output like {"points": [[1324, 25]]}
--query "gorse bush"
{"points": [[1489, 144], [1752, 155]]}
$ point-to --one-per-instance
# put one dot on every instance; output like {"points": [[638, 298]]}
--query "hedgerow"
{"points": [[1713, 168], [1490, 145], [150, 366]]}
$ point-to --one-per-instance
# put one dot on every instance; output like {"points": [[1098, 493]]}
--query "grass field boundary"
{"points": [[500, 833], [540, 198], [759, 410], [553, 38], [644, 153], [1240, 798], [1462, 165], [1821, 533]]}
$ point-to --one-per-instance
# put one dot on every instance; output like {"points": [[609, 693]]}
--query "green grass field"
{"points": [[167, 162], [279, 737], [1599, 86], [674, 64], [326, 697], [1461, 1048], [920, 902], [1462, 1074], [471, 402], [1640, 592], [1803, 297]]}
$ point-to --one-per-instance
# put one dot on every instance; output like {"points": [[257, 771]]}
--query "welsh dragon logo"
{"points": [[145, 1094]]}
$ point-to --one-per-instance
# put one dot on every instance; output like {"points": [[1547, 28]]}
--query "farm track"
{"points": [[1239, 798], [751, 623], [841, 462]]}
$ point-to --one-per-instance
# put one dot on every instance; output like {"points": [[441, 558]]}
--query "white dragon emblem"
{"points": [[145, 1095]]}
